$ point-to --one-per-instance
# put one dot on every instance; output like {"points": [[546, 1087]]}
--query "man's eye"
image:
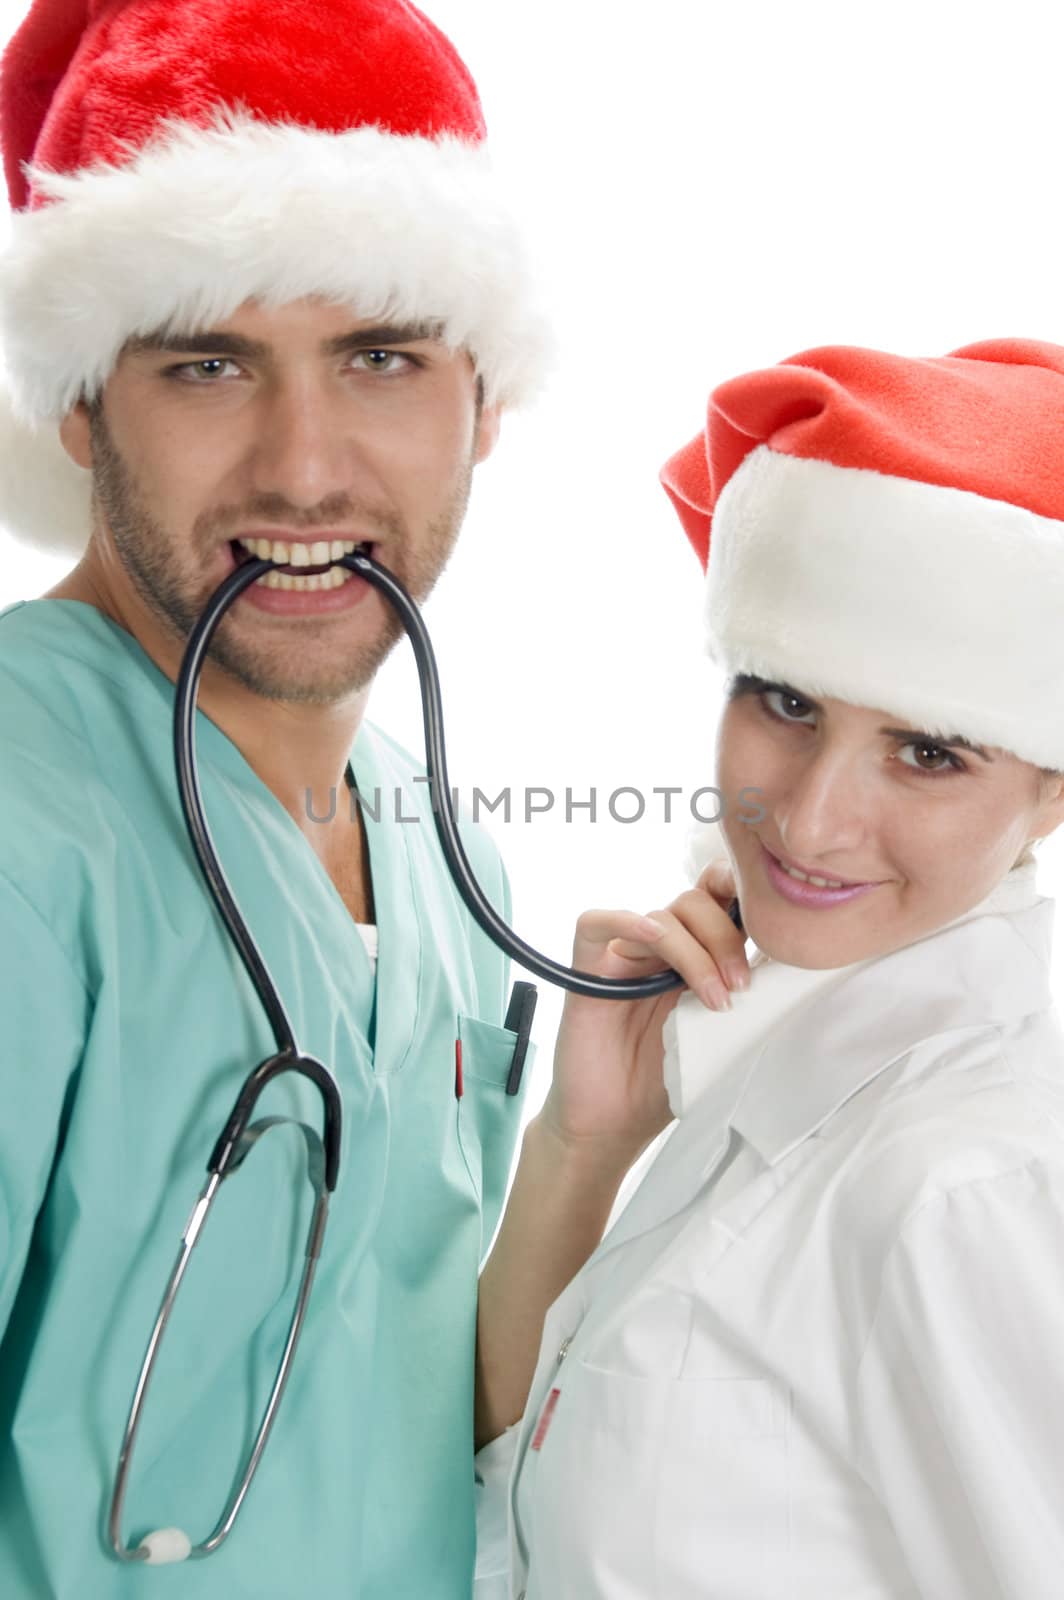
{"points": [[205, 371], [381, 360]]}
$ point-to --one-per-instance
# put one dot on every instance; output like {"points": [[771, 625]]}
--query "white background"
{"points": [[710, 187]]}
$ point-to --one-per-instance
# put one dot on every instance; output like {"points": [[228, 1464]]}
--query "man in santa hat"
{"points": [[261, 288]]}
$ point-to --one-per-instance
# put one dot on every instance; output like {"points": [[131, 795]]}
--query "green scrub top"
{"points": [[129, 1024]]}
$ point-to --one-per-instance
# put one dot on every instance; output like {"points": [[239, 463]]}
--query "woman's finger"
{"points": [[597, 930], [698, 956], [703, 912], [694, 935]]}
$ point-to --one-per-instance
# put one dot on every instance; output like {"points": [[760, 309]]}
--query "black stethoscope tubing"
{"points": [[239, 1134], [480, 908]]}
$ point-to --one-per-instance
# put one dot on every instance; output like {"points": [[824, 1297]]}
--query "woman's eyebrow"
{"points": [[751, 681], [938, 739]]}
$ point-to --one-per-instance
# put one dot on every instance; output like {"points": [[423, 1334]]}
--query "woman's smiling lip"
{"points": [[810, 896], [819, 872]]}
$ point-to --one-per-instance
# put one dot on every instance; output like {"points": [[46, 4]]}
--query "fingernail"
{"points": [[738, 974], [652, 929], [713, 994]]}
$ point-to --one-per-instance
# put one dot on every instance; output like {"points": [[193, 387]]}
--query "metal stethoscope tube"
{"points": [[583, 983]]}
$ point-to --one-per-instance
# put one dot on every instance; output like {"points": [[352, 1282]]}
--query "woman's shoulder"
{"points": [[969, 1113]]}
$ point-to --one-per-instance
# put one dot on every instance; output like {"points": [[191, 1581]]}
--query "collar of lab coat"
{"points": [[988, 967], [815, 1039]]}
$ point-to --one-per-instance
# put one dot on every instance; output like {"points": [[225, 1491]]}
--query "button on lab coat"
{"points": [[821, 1353]]}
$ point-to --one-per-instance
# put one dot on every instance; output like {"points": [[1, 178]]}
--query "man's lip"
{"points": [[818, 872]]}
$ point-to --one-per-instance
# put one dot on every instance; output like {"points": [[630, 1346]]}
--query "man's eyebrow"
{"points": [[218, 342], [385, 333], [199, 339]]}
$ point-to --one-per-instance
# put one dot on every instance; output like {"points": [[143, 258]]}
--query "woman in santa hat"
{"points": [[821, 1352]]}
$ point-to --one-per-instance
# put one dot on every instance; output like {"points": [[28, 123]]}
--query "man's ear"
{"points": [[488, 427], [76, 436]]}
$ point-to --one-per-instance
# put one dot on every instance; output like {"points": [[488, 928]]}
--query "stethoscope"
{"points": [[240, 1134]]}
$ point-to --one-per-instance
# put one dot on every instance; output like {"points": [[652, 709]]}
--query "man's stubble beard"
{"points": [[147, 555]]}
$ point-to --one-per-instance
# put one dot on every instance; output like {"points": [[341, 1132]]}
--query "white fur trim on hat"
{"points": [[204, 219], [45, 500], [934, 604]]}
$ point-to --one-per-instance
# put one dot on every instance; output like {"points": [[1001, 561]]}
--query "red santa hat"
{"points": [[169, 159], [890, 532]]}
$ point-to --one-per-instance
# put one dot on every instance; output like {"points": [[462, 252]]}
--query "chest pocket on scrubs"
{"points": [[487, 1115]]}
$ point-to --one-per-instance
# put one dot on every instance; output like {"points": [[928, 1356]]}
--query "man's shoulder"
{"points": [[37, 719], [51, 655], [56, 714], [42, 668]]}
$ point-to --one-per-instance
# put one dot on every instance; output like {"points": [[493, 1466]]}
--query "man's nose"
{"points": [[303, 449]]}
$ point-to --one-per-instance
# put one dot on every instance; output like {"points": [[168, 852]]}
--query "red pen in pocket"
{"points": [[545, 1419]]}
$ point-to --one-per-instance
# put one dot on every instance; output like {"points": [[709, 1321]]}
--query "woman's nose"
{"points": [[825, 808]]}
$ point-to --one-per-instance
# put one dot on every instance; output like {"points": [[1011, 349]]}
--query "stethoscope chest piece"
{"points": [[239, 1137]]}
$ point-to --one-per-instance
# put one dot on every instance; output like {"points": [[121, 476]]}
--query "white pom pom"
{"points": [[45, 500], [165, 1546]]}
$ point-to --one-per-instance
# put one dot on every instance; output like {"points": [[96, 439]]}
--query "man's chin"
{"points": [[327, 685]]}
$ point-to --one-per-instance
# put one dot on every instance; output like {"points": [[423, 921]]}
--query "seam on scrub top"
{"points": [[52, 936], [419, 981], [474, 931], [77, 730], [120, 639]]}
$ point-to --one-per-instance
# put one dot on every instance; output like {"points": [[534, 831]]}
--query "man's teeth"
{"points": [[314, 580], [805, 877], [302, 555]]}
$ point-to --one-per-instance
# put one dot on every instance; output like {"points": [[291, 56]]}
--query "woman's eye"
{"points": [[208, 370], [788, 707], [940, 760]]}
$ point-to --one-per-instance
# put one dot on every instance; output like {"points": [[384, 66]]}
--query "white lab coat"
{"points": [[820, 1355]]}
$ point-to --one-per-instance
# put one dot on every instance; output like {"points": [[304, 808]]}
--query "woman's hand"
{"points": [[608, 1094]]}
